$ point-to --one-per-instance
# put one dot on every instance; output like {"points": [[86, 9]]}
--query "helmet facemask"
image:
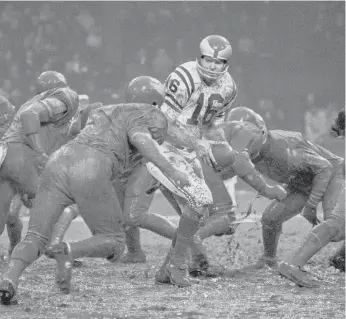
{"points": [[207, 74]]}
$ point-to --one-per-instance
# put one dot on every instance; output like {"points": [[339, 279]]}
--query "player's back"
{"points": [[108, 129], [295, 140], [15, 131]]}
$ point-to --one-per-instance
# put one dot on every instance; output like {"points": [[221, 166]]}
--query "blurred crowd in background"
{"points": [[288, 57]]}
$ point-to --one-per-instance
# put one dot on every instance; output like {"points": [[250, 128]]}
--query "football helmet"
{"points": [[50, 80], [145, 89], [216, 47], [244, 114]]}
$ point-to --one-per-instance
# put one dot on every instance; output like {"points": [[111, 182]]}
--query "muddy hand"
{"points": [[180, 178], [205, 153], [42, 160], [310, 214]]}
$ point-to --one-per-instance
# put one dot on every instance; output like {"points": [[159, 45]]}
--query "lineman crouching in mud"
{"points": [[82, 172]]}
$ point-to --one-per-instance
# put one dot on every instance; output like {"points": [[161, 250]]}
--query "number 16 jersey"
{"points": [[191, 101]]}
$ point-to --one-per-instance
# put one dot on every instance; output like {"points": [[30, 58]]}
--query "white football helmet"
{"points": [[217, 47]]}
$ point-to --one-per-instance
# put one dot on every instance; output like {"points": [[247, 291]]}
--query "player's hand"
{"points": [[42, 159], [278, 192], [310, 214], [180, 178], [26, 200], [204, 152]]}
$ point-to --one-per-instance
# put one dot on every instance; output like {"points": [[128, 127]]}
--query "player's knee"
{"points": [[272, 216], [270, 222], [72, 211], [139, 219], [30, 248], [13, 221], [336, 229], [116, 247], [195, 214]]}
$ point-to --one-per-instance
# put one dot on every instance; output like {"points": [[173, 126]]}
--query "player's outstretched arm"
{"points": [[244, 168], [321, 168], [38, 113], [150, 149]]}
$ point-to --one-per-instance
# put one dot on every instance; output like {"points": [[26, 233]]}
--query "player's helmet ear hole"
{"points": [[154, 104]]}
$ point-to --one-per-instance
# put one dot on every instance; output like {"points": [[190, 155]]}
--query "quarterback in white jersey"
{"points": [[198, 95], [190, 100]]}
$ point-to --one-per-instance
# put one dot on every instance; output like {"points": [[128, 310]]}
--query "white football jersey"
{"points": [[195, 102]]}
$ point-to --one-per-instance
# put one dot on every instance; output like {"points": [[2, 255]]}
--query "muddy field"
{"points": [[105, 290]]}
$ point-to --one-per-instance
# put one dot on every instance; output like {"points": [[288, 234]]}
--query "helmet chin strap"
{"points": [[204, 72]]}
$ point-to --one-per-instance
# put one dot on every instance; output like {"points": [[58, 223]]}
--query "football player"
{"points": [[51, 140], [14, 225], [312, 174], [331, 229], [198, 94], [23, 153], [82, 172]]}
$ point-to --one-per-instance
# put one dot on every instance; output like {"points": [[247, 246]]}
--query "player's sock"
{"points": [[134, 253], [161, 276], [14, 231], [159, 225], [14, 270], [177, 268], [319, 237], [65, 220], [186, 230], [270, 238]]}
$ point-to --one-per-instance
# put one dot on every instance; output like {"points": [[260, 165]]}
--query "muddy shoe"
{"points": [[62, 255], [178, 275], [161, 277], [48, 252], [8, 293], [137, 257], [296, 275], [262, 263], [199, 266], [337, 262], [77, 264]]}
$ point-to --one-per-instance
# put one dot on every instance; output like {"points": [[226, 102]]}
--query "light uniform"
{"points": [[191, 102], [195, 102]]}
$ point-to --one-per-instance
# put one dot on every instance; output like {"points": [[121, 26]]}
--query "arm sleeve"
{"points": [[320, 167], [177, 92], [141, 122]]}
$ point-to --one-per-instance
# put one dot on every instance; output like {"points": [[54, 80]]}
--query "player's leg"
{"points": [[178, 256], [14, 223], [230, 185], [6, 195], [20, 171], [222, 211], [134, 253], [64, 222], [331, 197], [136, 205], [272, 219], [332, 229], [47, 207]]}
